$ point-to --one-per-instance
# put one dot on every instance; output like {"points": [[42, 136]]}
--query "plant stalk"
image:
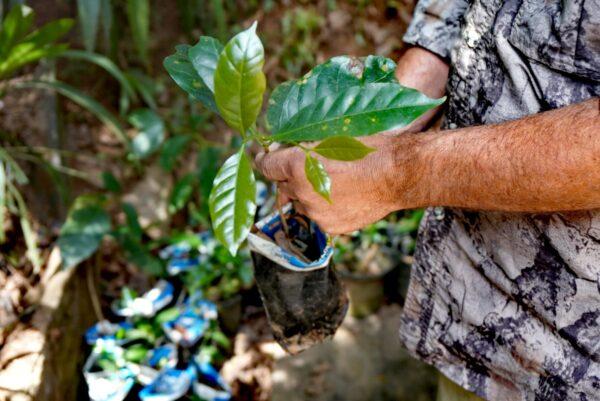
{"points": [[284, 225]]}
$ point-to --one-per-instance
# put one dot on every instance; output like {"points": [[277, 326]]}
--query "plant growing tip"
{"points": [[344, 98]]}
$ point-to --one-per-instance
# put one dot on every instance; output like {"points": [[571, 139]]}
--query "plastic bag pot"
{"points": [[304, 299]]}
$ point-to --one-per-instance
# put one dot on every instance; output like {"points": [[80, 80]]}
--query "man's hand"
{"points": [[362, 192], [367, 190]]}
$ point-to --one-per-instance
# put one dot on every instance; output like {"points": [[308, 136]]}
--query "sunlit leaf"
{"points": [[327, 79], [240, 81], [135, 353], [232, 201], [204, 56], [151, 132], [185, 75], [318, 177], [342, 148], [356, 111], [34, 46], [14, 26]]}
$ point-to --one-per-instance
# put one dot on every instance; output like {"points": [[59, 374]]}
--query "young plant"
{"points": [[345, 97]]}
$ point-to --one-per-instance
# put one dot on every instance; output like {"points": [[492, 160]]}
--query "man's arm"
{"points": [[427, 72], [541, 163], [546, 162]]}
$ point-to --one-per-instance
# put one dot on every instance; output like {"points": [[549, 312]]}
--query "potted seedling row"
{"points": [[321, 113]]}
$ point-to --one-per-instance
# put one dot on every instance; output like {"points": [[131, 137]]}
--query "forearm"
{"points": [[546, 162], [422, 70]]}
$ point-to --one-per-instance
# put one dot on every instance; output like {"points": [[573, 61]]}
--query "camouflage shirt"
{"points": [[508, 304]]}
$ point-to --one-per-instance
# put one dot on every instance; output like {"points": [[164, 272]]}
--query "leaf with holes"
{"points": [[318, 177], [356, 111], [240, 81], [232, 201], [342, 148]]}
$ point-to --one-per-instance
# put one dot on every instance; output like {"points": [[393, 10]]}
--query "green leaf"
{"points": [[138, 255], [16, 23], [82, 233], [151, 132], [83, 100], [138, 15], [29, 235], [185, 75], [135, 353], [379, 69], [207, 167], [327, 79], [239, 80], [145, 85], [318, 177], [221, 339], [171, 150], [356, 111], [105, 63], [36, 45], [133, 224], [89, 15], [182, 191], [167, 315], [342, 148], [110, 182], [33, 253], [106, 19], [204, 56], [232, 201]]}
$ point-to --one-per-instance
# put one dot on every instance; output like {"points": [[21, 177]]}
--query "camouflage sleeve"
{"points": [[436, 25]]}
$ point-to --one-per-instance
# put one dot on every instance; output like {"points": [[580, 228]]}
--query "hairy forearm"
{"points": [[546, 162]]}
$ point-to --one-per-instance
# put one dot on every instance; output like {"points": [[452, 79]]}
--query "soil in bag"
{"points": [[303, 297]]}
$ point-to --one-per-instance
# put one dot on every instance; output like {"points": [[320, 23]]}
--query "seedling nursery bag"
{"points": [[303, 297]]}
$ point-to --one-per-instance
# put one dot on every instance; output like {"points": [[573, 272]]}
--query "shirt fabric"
{"points": [[507, 305]]}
